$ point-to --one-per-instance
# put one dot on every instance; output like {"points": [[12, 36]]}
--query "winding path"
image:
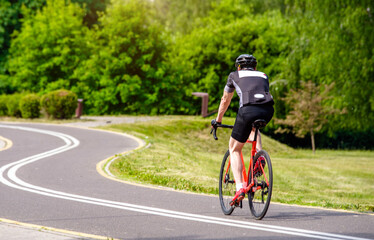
{"points": [[48, 177]]}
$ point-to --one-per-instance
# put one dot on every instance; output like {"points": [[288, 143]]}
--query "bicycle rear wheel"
{"points": [[227, 186], [260, 195]]}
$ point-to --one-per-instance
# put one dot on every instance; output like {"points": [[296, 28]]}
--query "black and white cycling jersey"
{"points": [[251, 86]]}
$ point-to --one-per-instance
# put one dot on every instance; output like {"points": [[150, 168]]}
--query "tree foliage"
{"points": [[10, 14], [334, 43], [49, 47], [93, 9], [11, 19], [207, 55], [182, 16], [126, 71]]}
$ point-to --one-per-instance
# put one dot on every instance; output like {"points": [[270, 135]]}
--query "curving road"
{"points": [[48, 177]]}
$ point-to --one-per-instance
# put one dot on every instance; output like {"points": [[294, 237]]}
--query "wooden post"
{"points": [[79, 109], [204, 102]]}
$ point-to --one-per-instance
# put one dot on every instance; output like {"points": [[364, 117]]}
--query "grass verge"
{"points": [[183, 155], [41, 120]]}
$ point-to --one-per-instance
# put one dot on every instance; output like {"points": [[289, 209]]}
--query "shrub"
{"points": [[30, 106], [12, 103], [59, 104], [3, 108]]}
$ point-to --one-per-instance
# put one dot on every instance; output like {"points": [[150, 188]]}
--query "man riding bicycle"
{"points": [[255, 103]]}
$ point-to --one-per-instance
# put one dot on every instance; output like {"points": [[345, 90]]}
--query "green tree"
{"points": [[182, 16], [10, 15], [308, 113], [126, 71], [207, 55], [334, 43], [93, 9], [49, 47]]}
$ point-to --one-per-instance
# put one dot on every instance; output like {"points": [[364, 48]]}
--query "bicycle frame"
{"points": [[258, 180], [250, 167]]}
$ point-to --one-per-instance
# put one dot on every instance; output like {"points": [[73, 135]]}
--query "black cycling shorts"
{"points": [[245, 118]]}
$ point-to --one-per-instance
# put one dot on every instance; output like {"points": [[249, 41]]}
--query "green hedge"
{"points": [[59, 104], [3, 108], [12, 103], [30, 106]]}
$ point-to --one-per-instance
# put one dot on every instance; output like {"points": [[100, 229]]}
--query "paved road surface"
{"points": [[49, 178]]}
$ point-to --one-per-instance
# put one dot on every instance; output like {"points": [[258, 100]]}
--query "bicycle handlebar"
{"points": [[214, 129]]}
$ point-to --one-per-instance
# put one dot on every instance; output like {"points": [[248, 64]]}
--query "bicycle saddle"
{"points": [[259, 123]]}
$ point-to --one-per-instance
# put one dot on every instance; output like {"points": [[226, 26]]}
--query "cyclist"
{"points": [[255, 103]]}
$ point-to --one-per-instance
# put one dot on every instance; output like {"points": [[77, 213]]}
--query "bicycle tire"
{"points": [[227, 186], [259, 200]]}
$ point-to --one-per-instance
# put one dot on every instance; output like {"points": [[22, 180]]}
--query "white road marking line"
{"points": [[71, 142]]}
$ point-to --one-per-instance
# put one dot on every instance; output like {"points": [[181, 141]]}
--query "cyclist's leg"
{"points": [[239, 136], [258, 140], [235, 148]]}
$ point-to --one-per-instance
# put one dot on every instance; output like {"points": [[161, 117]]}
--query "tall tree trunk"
{"points": [[312, 138]]}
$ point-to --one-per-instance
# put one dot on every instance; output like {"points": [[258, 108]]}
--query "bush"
{"points": [[30, 106], [3, 108], [12, 103], [59, 104]]}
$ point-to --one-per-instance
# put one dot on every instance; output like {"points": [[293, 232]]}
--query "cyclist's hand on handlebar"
{"points": [[214, 124]]}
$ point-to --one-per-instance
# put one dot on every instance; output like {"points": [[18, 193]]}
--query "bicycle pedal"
{"points": [[236, 204]]}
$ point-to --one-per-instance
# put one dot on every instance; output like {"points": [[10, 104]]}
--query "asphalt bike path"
{"points": [[49, 178]]}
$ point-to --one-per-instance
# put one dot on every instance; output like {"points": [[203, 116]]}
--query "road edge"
{"points": [[54, 230]]}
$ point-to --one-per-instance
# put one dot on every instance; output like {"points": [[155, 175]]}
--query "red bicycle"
{"points": [[259, 178]]}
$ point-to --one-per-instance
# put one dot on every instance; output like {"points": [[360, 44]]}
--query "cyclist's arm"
{"points": [[225, 103]]}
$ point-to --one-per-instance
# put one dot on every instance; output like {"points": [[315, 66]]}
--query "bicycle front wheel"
{"points": [[227, 185], [260, 195]]}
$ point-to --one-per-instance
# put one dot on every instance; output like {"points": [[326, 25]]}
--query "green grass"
{"points": [[183, 155]]}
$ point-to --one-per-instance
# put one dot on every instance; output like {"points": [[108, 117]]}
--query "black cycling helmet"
{"points": [[246, 61]]}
